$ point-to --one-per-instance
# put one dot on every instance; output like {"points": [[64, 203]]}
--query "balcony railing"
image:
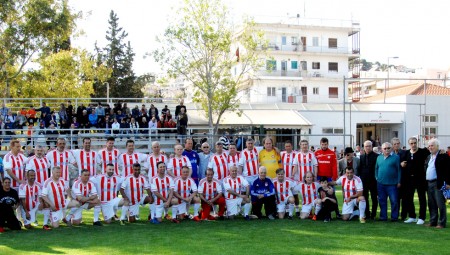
{"points": [[313, 49]]}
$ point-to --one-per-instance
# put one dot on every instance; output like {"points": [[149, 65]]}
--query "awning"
{"points": [[267, 118]]}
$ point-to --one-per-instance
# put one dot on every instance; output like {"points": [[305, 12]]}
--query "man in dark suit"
{"points": [[436, 172], [366, 172], [397, 150], [348, 159]]}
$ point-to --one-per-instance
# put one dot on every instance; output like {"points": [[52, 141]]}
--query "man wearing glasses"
{"points": [[413, 178], [366, 172], [388, 174]]}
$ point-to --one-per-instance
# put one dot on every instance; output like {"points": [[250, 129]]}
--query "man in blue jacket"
{"points": [[263, 193], [193, 157]]}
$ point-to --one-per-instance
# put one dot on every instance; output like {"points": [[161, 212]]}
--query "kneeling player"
{"points": [[210, 192], [284, 194], [308, 190], [185, 190], [107, 187], [233, 186], [132, 191], [85, 198], [29, 194], [53, 194], [352, 188], [162, 189]]}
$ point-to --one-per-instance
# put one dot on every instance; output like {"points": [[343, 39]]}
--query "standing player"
{"points": [[87, 158], [287, 159], [109, 155], [210, 193], [132, 191], [233, 155], [14, 165], [85, 197], [233, 185], [352, 188], [308, 189], [162, 188], [54, 194], [193, 158], [29, 194], [249, 163], [176, 163], [108, 185], [39, 164], [283, 190], [62, 158], [305, 161], [185, 190], [129, 158], [218, 163]]}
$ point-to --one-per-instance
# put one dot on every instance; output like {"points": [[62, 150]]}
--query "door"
{"points": [[304, 94], [283, 95], [283, 67], [303, 42]]}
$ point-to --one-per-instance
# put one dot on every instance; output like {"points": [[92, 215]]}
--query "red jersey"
{"points": [[219, 164], [107, 187], [61, 159], [327, 163], [40, 166], [31, 195], [17, 166], [209, 189], [162, 186], [109, 157]]}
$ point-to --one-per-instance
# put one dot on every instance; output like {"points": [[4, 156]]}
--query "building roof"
{"points": [[412, 89]]}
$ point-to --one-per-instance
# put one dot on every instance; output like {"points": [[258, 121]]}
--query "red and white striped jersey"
{"points": [[61, 159], [107, 187], [350, 187], [56, 191], [150, 164], [17, 166], [249, 162], [220, 166], [305, 163], [308, 191], [126, 162], [40, 166], [233, 160], [83, 189], [209, 189], [283, 190], [175, 164], [86, 160], [287, 159], [184, 187], [134, 188], [109, 157], [31, 195], [237, 184], [162, 186]]}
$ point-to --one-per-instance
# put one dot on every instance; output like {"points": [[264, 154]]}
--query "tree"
{"points": [[202, 46], [118, 56], [29, 28]]}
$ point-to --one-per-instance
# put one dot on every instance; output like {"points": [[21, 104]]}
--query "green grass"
{"points": [[230, 237]]}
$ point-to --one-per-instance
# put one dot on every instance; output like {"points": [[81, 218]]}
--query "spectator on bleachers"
{"points": [[153, 111], [134, 126], [53, 120], [21, 120], [144, 115], [178, 107], [168, 115], [105, 124], [143, 110], [75, 122], [64, 125], [93, 119], [152, 125], [23, 111], [44, 109], [45, 119], [31, 115], [69, 111], [111, 114], [170, 124], [9, 116], [124, 127], [160, 123], [84, 120], [115, 127], [125, 109], [4, 111], [120, 116], [164, 110], [144, 125], [51, 134], [80, 110], [100, 111], [182, 122], [135, 113], [62, 113]]}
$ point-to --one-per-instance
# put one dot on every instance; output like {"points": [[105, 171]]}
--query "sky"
{"points": [[417, 32]]}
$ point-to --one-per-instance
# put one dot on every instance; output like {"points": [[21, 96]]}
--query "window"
{"points": [[332, 42], [271, 91], [294, 40], [332, 130], [430, 118], [315, 65], [304, 65], [430, 131], [338, 130], [316, 91], [294, 65], [333, 92], [283, 40], [332, 66], [315, 41], [271, 65]]}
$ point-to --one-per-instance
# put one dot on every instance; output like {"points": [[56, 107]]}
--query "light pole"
{"points": [[387, 77], [107, 92]]}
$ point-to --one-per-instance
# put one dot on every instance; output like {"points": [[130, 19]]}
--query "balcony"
{"points": [[279, 73], [294, 47]]}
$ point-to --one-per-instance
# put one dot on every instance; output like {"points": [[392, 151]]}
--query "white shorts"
{"points": [[233, 206], [78, 214], [57, 216], [134, 209], [347, 208], [182, 208], [32, 215], [109, 208], [281, 207], [159, 210], [307, 208]]}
